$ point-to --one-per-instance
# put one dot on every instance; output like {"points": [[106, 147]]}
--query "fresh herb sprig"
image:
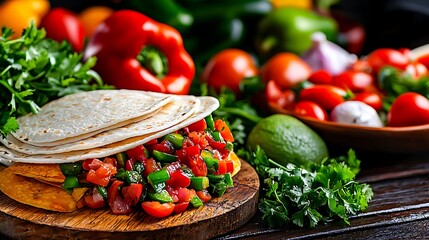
{"points": [[35, 70], [306, 197]]}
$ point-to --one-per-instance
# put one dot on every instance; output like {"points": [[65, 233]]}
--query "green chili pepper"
{"points": [[70, 182], [176, 139], [160, 176], [196, 202], [73, 169], [210, 122], [162, 197], [121, 158], [164, 157], [199, 183], [102, 191]]}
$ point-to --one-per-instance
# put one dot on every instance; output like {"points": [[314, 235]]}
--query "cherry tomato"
{"points": [[185, 194], [180, 207], [224, 130], [353, 80], [61, 24], [311, 109], [93, 16], [424, 59], [373, 99], [326, 96], [416, 70], [409, 109], [387, 57], [94, 199], [283, 98], [286, 69], [320, 77], [228, 68], [157, 209]]}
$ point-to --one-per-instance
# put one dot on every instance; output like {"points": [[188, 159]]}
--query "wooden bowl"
{"points": [[414, 139]]}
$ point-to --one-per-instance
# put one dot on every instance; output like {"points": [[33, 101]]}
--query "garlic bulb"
{"points": [[355, 112]]}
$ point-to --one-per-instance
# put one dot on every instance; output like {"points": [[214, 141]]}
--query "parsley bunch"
{"points": [[35, 70], [306, 197]]}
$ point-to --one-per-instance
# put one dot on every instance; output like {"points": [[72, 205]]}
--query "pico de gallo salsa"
{"points": [[163, 176]]}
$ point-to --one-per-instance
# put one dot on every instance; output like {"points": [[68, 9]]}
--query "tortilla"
{"points": [[34, 193], [85, 114], [42, 172], [170, 115], [208, 105]]}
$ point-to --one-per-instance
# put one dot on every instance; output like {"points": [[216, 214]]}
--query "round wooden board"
{"points": [[217, 217]]}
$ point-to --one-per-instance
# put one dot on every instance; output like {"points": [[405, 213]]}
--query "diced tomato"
{"points": [[132, 193], [173, 192], [85, 164], [136, 152], [94, 199], [116, 202], [164, 146], [129, 164], [157, 209], [150, 165], [198, 138], [101, 176], [173, 167], [198, 126], [92, 163], [229, 166], [178, 179], [185, 194], [204, 195], [198, 166], [222, 168], [215, 144], [111, 160], [151, 142], [180, 207], [187, 152], [224, 130]]}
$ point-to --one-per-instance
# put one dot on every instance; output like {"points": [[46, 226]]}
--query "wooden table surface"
{"points": [[399, 209]]}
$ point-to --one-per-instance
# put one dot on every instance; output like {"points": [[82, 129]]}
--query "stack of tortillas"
{"points": [[100, 123]]}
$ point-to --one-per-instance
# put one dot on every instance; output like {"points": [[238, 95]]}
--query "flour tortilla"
{"points": [[208, 105], [84, 114], [170, 115]]}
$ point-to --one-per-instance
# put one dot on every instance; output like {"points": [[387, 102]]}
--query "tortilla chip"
{"points": [[43, 172], [78, 193], [235, 161], [55, 184], [34, 193]]}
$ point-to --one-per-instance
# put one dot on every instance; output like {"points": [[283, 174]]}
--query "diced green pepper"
{"points": [[71, 169], [176, 139], [215, 178], [159, 187], [210, 122], [129, 176], [102, 191], [199, 183], [196, 202], [228, 180], [211, 162], [229, 146], [138, 167], [164, 157], [160, 176], [70, 182], [218, 188], [187, 171], [121, 157], [217, 136], [162, 196]]}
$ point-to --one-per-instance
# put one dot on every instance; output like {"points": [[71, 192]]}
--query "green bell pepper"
{"points": [[289, 29]]}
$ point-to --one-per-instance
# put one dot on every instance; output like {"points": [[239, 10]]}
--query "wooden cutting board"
{"points": [[217, 217]]}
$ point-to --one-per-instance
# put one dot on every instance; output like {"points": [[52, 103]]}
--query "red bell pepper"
{"points": [[120, 39]]}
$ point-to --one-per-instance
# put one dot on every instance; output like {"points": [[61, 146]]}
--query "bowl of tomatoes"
{"points": [[392, 84]]}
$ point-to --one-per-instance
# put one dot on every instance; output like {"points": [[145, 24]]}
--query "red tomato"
{"points": [[224, 130], [178, 179], [424, 59], [325, 95], [180, 207], [274, 94], [157, 209], [198, 166], [61, 24], [102, 175], [353, 80], [204, 195], [111, 160], [311, 109], [229, 166], [222, 168], [201, 125], [185, 194], [409, 109], [150, 165], [320, 77], [387, 57], [286, 69], [137, 152], [373, 99], [132, 193], [116, 202], [416, 70], [228, 68], [95, 199]]}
